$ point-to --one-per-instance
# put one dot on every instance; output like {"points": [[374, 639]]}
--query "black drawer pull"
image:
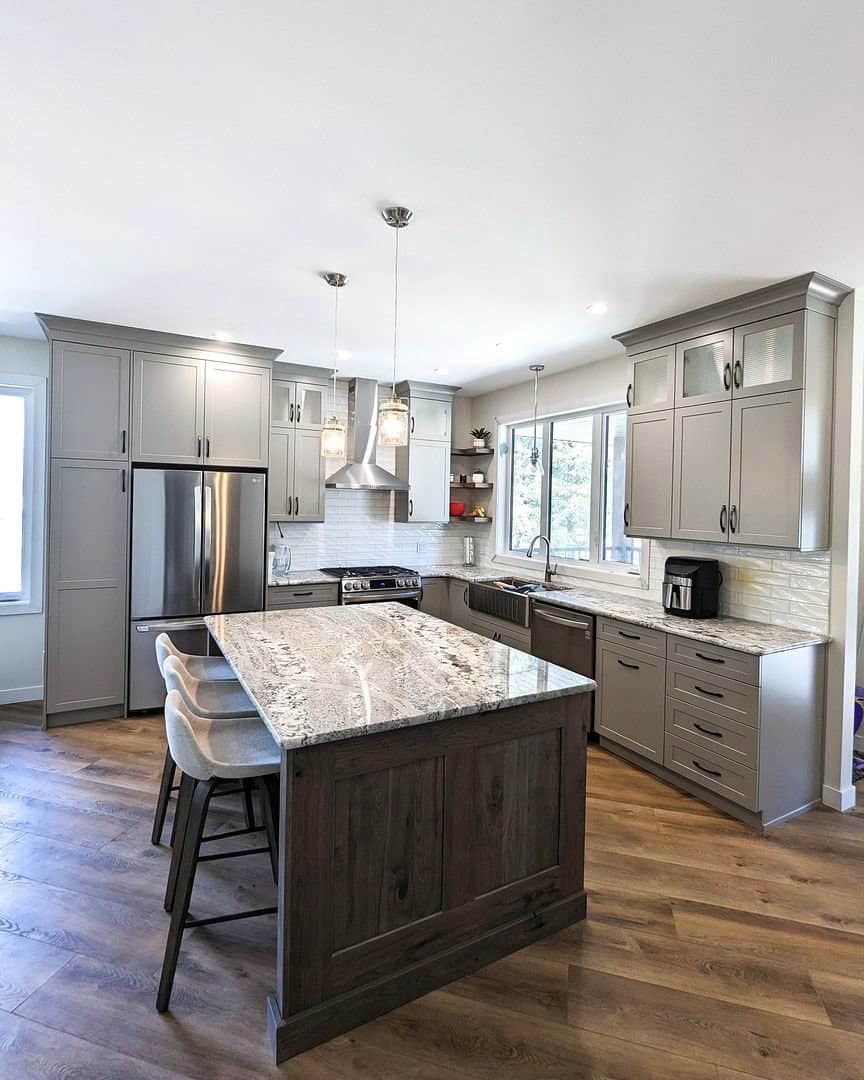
{"points": [[702, 768], [633, 667], [310, 593], [708, 731], [708, 693], [632, 637], [711, 659]]}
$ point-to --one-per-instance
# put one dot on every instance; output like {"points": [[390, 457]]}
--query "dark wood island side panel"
{"points": [[412, 857]]}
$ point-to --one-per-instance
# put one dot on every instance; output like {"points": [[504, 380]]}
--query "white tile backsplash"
{"points": [[770, 585]]}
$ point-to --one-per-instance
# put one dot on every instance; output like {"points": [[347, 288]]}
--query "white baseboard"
{"points": [[20, 693], [839, 798]]}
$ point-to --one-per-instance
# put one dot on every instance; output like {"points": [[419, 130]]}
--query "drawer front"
{"points": [[713, 658], [630, 699], [724, 697], [282, 596], [500, 630], [632, 636], [707, 768], [736, 742]]}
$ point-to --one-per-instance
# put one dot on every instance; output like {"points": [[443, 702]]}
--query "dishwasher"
{"points": [[563, 637]]}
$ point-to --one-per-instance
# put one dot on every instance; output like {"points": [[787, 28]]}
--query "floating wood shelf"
{"points": [[476, 520], [474, 486], [471, 452]]}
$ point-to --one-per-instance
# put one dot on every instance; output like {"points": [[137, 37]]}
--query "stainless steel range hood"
{"points": [[361, 473]]}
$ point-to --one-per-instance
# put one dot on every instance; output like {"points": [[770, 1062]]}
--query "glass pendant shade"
{"points": [[333, 439], [393, 422]]}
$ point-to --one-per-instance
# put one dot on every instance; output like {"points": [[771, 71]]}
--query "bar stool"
{"points": [[209, 752], [199, 667]]}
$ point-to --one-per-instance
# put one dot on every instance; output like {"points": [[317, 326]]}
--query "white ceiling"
{"points": [[194, 166]]}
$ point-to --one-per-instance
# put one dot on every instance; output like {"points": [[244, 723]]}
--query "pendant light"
{"points": [[534, 457], [333, 432], [393, 413]]}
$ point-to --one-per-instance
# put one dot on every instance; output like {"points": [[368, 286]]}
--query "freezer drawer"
{"points": [[146, 688]]}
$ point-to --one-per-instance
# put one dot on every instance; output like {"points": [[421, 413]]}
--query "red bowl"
{"points": [[457, 509]]}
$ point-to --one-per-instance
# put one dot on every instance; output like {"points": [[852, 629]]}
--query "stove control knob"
{"points": [[416, 582], [365, 585], [348, 585], [400, 582]]}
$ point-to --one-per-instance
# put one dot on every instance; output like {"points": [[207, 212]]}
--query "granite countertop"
{"points": [[744, 635], [301, 577], [322, 674]]}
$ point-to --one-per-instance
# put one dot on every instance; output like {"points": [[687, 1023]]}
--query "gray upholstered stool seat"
{"points": [[209, 752], [218, 699], [199, 667]]}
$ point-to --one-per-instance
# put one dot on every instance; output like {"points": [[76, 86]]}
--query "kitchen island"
{"points": [[432, 804]]}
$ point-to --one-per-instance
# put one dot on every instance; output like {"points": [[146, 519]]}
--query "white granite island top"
{"points": [[322, 674]]}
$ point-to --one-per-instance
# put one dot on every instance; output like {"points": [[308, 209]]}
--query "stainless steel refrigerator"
{"points": [[198, 548]]}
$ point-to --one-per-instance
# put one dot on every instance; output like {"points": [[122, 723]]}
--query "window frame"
{"points": [[32, 388], [595, 565]]}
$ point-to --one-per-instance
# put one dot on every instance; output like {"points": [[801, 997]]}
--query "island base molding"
{"points": [[412, 857]]}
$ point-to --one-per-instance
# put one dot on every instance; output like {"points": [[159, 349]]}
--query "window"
{"points": [[575, 495], [22, 425]]}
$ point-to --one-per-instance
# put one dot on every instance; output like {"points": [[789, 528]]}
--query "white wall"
{"points": [[21, 636]]}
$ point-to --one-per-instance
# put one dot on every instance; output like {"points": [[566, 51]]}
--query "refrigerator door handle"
{"points": [[197, 541], [207, 599]]}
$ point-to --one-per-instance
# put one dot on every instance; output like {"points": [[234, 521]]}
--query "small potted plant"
{"points": [[480, 435]]}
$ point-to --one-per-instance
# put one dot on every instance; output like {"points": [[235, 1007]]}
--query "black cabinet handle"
{"points": [[123, 481], [739, 371], [412, 425], [710, 659], [631, 637], [298, 594], [290, 505], [410, 508], [207, 441], [707, 731], [733, 519], [627, 515], [723, 518], [627, 395], [296, 505], [291, 414], [633, 667], [702, 768], [708, 693], [727, 377], [123, 441], [199, 447], [465, 596]]}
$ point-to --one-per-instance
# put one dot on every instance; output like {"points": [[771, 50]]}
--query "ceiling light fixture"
{"points": [[597, 308], [534, 456], [333, 432], [393, 413]]}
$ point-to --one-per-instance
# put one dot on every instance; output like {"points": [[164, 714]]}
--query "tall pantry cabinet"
{"points": [[121, 396]]}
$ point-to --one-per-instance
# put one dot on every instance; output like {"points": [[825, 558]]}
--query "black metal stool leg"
{"points": [[270, 827], [165, 785], [181, 816], [248, 804], [191, 835]]}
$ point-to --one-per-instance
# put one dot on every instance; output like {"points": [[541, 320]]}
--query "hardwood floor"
{"points": [[709, 952]]}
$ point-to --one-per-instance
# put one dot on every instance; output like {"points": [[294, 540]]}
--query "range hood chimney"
{"points": [[361, 473]]}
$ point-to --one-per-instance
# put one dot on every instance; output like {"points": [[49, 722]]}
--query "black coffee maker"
{"points": [[691, 587]]}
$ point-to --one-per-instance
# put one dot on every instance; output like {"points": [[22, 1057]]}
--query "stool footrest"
{"points": [[230, 918], [233, 832], [233, 854]]}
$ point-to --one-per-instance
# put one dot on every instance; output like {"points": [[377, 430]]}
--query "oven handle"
{"points": [[374, 597]]}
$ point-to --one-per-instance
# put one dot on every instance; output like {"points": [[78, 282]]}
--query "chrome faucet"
{"points": [[550, 570]]}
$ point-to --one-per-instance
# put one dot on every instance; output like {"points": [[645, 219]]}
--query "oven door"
{"points": [[410, 597]]}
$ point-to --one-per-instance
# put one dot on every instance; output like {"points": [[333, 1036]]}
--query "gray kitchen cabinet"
{"points": [[311, 401], [428, 497], [517, 637], [87, 584], [768, 356], [700, 473], [648, 492], [766, 491], [283, 402], [236, 415], [630, 698], [285, 597], [652, 381], [280, 493], [296, 477], [168, 408], [89, 401], [458, 611], [703, 369], [430, 418], [434, 600]]}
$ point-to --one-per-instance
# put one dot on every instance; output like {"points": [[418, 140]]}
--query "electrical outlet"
{"points": [[420, 547]]}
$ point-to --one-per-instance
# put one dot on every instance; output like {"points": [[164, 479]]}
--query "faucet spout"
{"points": [[547, 573]]}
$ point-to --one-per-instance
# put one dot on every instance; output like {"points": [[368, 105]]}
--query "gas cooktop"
{"points": [[368, 571], [365, 583]]}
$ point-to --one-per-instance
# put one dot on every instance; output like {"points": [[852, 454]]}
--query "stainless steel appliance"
{"points": [[563, 637], [691, 587], [367, 584], [198, 548]]}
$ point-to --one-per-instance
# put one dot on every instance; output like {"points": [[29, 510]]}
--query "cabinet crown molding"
{"points": [[813, 291]]}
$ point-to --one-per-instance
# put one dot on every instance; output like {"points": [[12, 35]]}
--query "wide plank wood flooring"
{"points": [[709, 953]]}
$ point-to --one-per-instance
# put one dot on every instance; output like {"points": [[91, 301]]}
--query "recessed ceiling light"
{"points": [[223, 335], [597, 308], [440, 370]]}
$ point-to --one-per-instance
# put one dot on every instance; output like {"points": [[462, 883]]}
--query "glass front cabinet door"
{"points": [[769, 356], [703, 369], [652, 381]]}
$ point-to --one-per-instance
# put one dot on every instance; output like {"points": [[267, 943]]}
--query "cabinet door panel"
{"points": [[282, 403], [766, 470], [631, 699], [167, 409], [649, 474], [279, 496], [428, 472], [700, 480], [652, 381], [237, 415], [769, 356], [308, 477], [430, 419], [89, 401], [311, 402], [703, 369]]}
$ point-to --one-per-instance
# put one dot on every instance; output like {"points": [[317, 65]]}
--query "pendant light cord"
{"points": [[395, 311], [335, 345]]}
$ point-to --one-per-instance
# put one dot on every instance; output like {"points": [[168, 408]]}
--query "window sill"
{"points": [[596, 574], [20, 607]]}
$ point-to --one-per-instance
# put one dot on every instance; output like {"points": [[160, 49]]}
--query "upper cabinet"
{"points": [[425, 462], [236, 415], [748, 436], [431, 418], [310, 401], [296, 482], [89, 401], [652, 381]]}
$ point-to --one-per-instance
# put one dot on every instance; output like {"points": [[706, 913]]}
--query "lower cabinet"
{"points": [[458, 611], [630, 698], [302, 596], [434, 599], [517, 637]]}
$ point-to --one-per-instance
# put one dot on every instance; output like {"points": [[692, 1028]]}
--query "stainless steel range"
{"points": [[368, 584]]}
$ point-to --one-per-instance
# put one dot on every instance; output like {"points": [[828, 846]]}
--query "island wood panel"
{"points": [[413, 856]]}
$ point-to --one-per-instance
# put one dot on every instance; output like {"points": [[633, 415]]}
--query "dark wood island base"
{"points": [[415, 856]]}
